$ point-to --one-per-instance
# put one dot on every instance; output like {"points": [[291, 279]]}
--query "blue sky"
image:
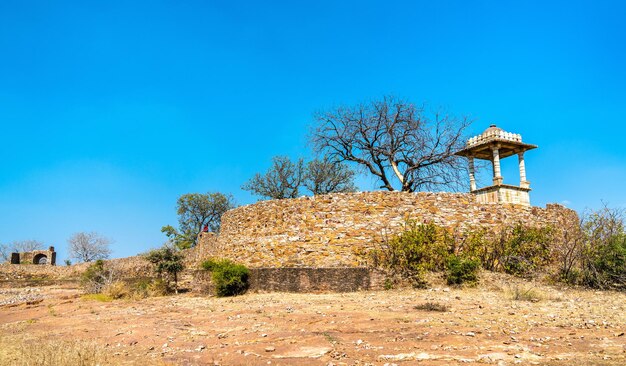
{"points": [[111, 110]]}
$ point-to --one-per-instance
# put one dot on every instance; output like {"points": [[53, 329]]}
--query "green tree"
{"points": [[167, 262], [196, 210]]}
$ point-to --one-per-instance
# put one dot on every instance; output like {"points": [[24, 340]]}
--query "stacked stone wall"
{"points": [[307, 279], [27, 274], [337, 230]]}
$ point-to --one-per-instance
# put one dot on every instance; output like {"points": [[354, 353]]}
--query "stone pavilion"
{"points": [[495, 144]]}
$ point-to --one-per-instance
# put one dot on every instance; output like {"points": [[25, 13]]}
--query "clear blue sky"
{"points": [[111, 110]]}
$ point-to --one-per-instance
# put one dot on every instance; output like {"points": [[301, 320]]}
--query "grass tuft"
{"points": [[97, 297], [519, 292], [431, 306]]}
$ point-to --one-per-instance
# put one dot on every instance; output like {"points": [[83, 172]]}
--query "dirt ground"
{"points": [[480, 325]]}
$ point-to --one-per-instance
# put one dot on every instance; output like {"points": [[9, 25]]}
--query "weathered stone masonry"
{"points": [[336, 230]]}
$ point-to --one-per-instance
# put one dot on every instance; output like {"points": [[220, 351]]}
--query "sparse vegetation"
{"points": [[419, 248], [431, 306], [97, 297], [229, 279], [603, 258], [517, 249], [53, 352], [97, 276], [520, 292]]}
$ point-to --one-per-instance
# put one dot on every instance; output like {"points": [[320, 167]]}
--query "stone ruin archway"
{"points": [[40, 259]]}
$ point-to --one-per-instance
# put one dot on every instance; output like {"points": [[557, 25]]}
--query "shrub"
{"points": [[593, 254], [524, 293], [604, 265], [229, 279], [419, 248], [158, 287], [517, 249], [210, 264], [526, 249], [96, 277], [117, 290], [432, 306], [462, 270]]}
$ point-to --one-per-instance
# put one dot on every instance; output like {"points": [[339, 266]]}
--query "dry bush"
{"points": [[519, 292], [431, 306], [98, 276], [117, 290]]}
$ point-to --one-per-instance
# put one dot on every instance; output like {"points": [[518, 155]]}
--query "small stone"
{"points": [[470, 334], [270, 349]]}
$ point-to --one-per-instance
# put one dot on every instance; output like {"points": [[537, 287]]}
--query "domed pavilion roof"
{"points": [[480, 146]]}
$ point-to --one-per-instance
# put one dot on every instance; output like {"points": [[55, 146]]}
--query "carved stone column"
{"points": [[471, 174], [497, 176], [522, 171]]}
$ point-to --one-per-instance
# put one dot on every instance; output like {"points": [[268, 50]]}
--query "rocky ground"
{"points": [[503, 321]]}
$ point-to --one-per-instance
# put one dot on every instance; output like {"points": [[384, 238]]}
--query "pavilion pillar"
{"points": [[522, 171], [497, 176], [471, 174]]}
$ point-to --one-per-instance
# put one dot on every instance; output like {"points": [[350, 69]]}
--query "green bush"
{"points": [[526, 249], [461, 270], [419, 248], [229, 279], [518, 249], [605, 264], [593, 254], [210, 264]]}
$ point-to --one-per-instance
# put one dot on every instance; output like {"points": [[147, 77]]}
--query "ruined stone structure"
{"points": [[495, 144], [45, 257], [337, 230]]}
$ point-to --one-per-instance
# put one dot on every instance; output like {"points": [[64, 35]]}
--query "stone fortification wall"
{"points": [[303, 279], [337, 230], [12, 274]]}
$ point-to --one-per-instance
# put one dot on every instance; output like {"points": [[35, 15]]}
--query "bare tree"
{"points": [[27, 245], [4, 253], [88, 247], [282, 180], [327, 176], [396, 142], [19, 246]]}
